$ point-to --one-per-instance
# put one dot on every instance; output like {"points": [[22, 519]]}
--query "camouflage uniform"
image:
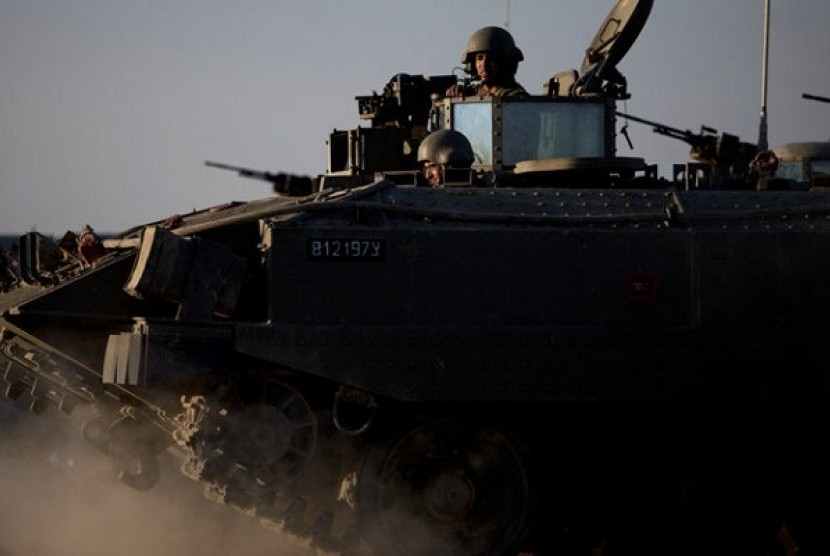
{"points": [[512, 90]]}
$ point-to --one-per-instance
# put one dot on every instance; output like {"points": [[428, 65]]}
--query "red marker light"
{"points": [[641, 286]]}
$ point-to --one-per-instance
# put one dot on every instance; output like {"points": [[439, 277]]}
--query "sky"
{"points": [[110, 108]]}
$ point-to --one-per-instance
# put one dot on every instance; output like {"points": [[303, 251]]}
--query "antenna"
{"points": [[507, 14], [762, 129]]}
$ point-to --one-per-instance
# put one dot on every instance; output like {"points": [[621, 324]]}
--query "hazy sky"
{"points": [[109, 108]]}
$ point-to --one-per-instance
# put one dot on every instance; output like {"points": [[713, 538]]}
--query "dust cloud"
{"points": [[59, 495]]}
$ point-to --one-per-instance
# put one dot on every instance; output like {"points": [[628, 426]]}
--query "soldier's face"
{"points": [[487, 66], [434, 174]]}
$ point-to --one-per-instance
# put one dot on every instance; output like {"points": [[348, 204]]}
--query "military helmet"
{"points": [[492, 39], [448, 147]]}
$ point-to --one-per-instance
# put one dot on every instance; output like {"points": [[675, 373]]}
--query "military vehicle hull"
{"points": [[516, 369]]}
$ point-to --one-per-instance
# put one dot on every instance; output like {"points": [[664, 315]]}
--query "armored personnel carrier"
{"points": [[557, 352]]}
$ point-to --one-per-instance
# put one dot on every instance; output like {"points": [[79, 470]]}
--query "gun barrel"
{"points": [[637, 119], [244, 172], [685, 136], [658, 127], [223, 166], [815, 97], [287, 184]]}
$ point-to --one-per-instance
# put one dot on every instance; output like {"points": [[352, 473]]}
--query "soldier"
{"points": [[8, 269], [443, 151], [493, 58]]}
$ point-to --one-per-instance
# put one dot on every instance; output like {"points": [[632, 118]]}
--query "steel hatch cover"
{"points": [[615, 36]]}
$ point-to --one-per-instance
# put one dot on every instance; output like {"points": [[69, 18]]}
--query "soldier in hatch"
{"points": [[493, 58], [8, 276], [445, 152]]}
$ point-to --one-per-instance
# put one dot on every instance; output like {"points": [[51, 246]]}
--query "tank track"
{"points": [[286, 492], [31, 375], [133, 432]]}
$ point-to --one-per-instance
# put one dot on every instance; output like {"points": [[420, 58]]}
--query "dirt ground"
{"points": [[59, 495]]}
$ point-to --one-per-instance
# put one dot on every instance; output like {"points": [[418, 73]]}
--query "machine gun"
{"points": [[727, 157], [405, 102], [283, 184], [398, 122]]}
